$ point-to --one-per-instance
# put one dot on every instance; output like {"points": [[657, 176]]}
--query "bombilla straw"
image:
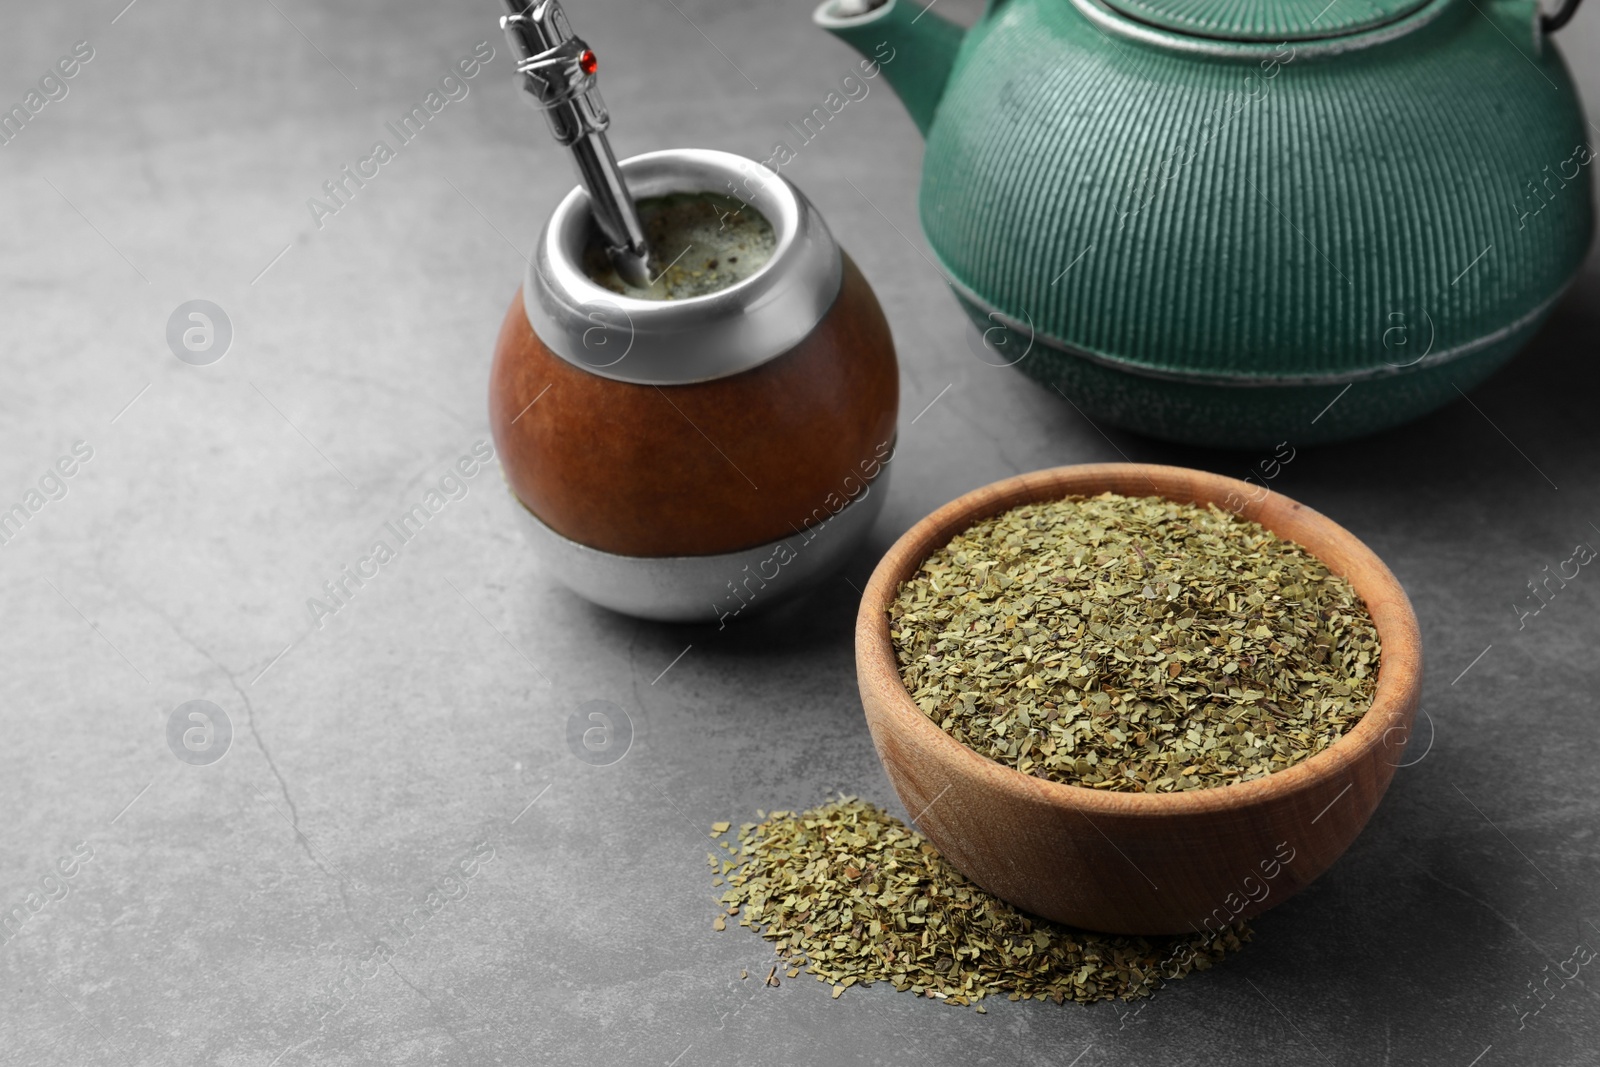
{"points": [[556, 69]]}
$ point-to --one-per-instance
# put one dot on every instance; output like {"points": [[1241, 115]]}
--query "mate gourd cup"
{"points": [[682, 460], [1203, 219], [1140, 863]]}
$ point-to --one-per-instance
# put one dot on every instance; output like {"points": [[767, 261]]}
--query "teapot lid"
{"points": [[1273, 21]]}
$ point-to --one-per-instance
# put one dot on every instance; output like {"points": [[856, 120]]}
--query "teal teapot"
{"points": [[1239, 224]]}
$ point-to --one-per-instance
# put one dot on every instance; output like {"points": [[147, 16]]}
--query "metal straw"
{"points": [[557, 71]]}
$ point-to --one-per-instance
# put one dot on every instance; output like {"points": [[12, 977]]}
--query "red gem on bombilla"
{"points": [[587, 62]]}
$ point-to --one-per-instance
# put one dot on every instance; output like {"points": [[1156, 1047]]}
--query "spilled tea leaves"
{"points": [[854, 896]]}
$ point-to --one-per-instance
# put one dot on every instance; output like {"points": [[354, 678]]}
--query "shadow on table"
{"points": [[1520, 431]]}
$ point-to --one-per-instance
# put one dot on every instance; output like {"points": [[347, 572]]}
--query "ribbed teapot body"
{"points": [[1209, 240]]}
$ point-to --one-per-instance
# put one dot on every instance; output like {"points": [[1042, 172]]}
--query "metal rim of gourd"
{"points": [[701, 338]]}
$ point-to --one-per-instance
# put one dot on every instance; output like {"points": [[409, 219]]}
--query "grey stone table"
{"points": [[401, 771]]}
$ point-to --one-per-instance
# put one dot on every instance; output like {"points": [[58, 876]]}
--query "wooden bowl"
{"points": [[1140, 863]]}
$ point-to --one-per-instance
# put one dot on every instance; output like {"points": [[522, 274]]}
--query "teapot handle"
{"points": [[1550, 23]]}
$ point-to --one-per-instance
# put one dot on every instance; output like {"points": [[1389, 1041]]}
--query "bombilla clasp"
{"points": [[556, 71]]}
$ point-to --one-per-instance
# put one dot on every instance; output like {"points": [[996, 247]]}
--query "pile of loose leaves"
{"points": [[1134, 644], [854, 896]]}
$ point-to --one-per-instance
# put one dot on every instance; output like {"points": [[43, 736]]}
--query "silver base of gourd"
{"points": [[708, 589]]}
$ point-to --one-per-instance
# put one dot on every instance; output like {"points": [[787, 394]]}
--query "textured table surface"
{"points": [[220, 913]]}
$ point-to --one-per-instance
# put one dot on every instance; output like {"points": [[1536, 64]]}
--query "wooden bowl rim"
{"points": [[1399, 666]]}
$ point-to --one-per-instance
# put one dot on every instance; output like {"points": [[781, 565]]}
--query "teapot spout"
{"points": [[914, 48]]}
